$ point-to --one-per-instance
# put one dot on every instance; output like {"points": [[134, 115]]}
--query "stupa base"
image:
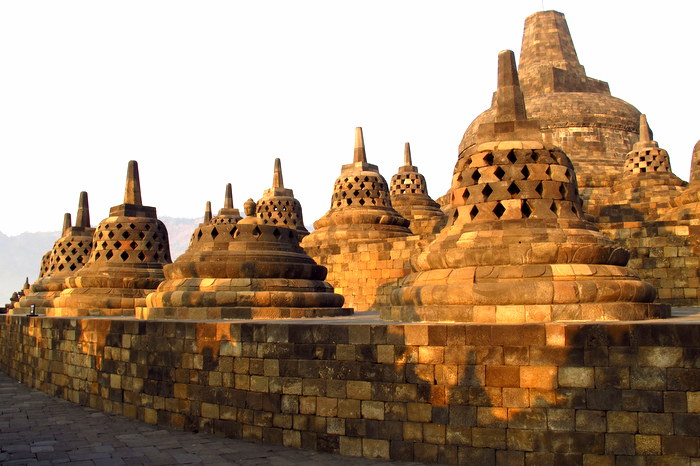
{"points": [[252, 313], [511, 314], [89, 312]]}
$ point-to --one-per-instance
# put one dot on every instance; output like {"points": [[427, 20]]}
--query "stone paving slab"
{"points": [[38, 429]]}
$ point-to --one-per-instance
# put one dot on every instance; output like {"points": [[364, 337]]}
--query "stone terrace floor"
{"points": [[37, 429]]}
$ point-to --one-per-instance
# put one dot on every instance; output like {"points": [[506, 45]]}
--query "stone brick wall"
{"points": [[363, 271], [453, 393], [665, 254]]}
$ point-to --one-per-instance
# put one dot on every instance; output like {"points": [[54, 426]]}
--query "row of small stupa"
{"points": [[516, 241]]}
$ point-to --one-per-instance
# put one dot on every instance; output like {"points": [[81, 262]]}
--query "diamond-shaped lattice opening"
{"points": [[142, 235], [356, 179], [513, 189], [109, 255], [274, 221], [110, 235], [568, 174], [466, 194], [80, 259], [349, 201], [276, 233], [525, 172], [488, 158], [362, 202], [374, 202], [118, 226], [147, 227], [104, 244], [141, 256], [256, 232], [99, 235], [362, 186], [156, 256], [125, 235], [487, 191], [512, 157], [526, 210], [132, 226], [97, 255], [73, 251], [160, 246], [499, 210], [133, 244], [553, 207], [539, 189], [499, 172], [562, 191], [548, 171], [474, 212], [60, 267], [124, 255], [233, 232], [68, 244], [73, 267], [214, 233], [574, 209], [117, 244], [455, 215], [63, 251], [534, 156], [356, 193], [80, 244], [476, 175], [199, 236]]}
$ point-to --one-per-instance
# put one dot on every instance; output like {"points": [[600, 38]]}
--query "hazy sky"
{"points": [[209, 92]]}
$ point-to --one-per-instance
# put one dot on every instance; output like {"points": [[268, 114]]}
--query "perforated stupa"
{"points": [[68, 255], [129, 250], [278, 206], [409, 196], [517, 247], [247, 269]]}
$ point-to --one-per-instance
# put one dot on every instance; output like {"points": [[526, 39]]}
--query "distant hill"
{"points": [[20, 256]]}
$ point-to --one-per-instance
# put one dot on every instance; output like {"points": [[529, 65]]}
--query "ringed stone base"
{"points": [[222, 313], [511, 314]]}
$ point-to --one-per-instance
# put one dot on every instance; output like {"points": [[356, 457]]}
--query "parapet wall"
{"points": [[452, 393], [364, 271]]}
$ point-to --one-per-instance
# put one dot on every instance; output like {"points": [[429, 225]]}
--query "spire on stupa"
{"points": [[207, 213], [83, 216], [278, 206], [227, 214], [646, 156], [67, 223]]}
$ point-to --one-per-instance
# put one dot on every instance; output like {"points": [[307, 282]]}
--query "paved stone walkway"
{"points": [[38, 429]]}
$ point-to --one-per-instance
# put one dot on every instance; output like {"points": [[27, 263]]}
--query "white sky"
{"points": [[209, 92]]}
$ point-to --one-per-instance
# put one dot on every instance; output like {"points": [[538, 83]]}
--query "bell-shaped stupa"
{"points": [[129, 249], [409, 196], [278, 206], [517, 247], [243, 270], [360, 205], [68, 255], [647, 186], [228, 215]]}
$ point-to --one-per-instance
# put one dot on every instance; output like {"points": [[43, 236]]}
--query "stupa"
{"points": [[278, 206], [129, 250], [68, 255], [246, 269], [647, 186], [695, 163], [360, 206], [517, 247], [409, 196], [575, 112]]}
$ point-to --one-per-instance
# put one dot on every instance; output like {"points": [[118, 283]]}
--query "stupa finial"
{"points": [[360, 155], [510, 103], [207, 212], [83, 218], [132, 193], [645, 134], [67, 223], [26, 284], [228, 199], [407, 161], [277, 180]]}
